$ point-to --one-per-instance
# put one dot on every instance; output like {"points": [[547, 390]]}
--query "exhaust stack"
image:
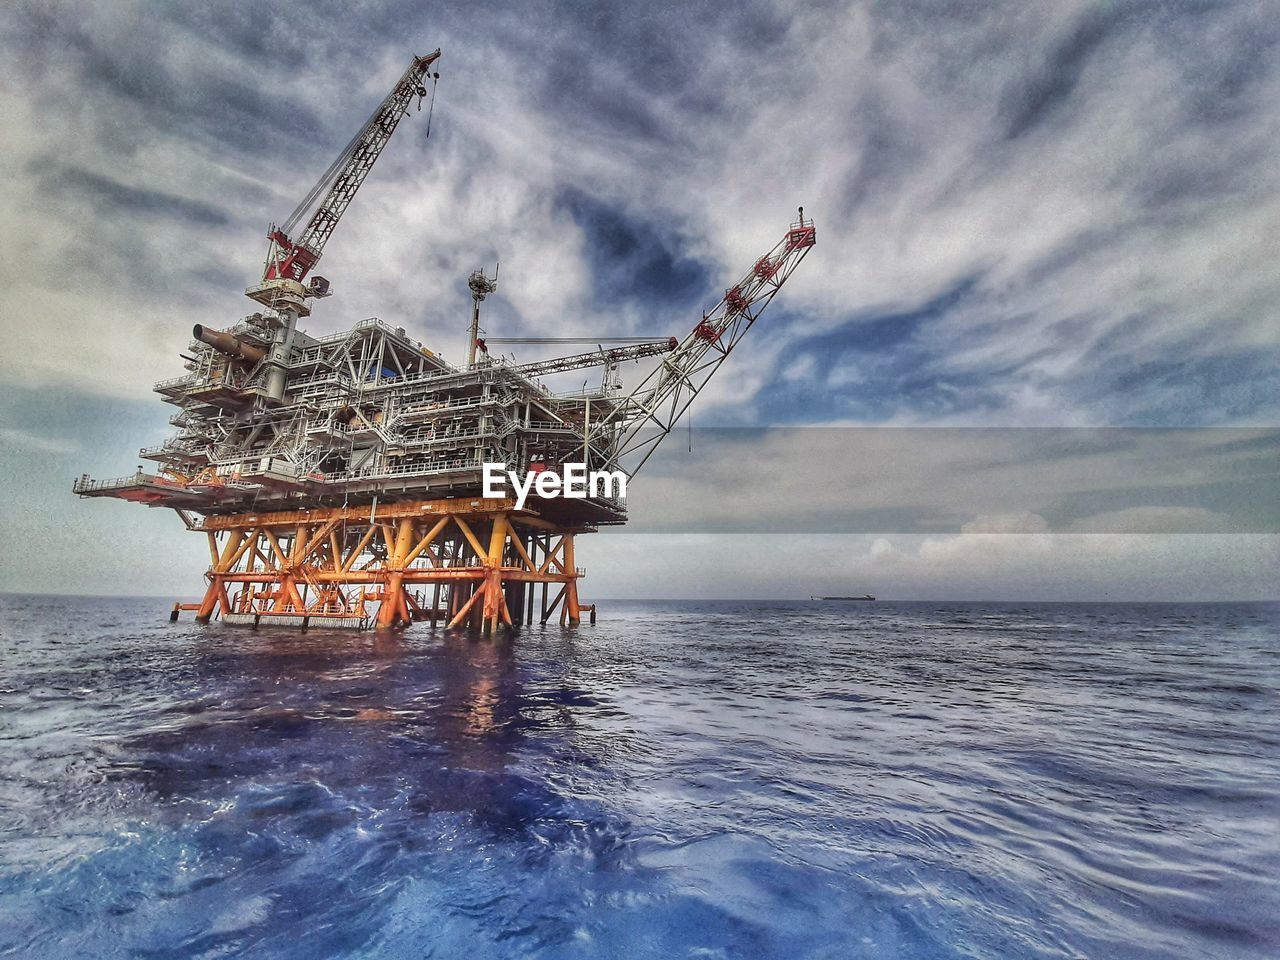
{"points": [[226, 343]]}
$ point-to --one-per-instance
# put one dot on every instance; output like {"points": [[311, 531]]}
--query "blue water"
{"points": [[710, 780]]}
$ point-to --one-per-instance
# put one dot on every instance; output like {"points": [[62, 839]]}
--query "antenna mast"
{"points": [[481, 286]]}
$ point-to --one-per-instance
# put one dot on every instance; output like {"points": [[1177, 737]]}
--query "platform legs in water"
{"points": [[461, 562]]}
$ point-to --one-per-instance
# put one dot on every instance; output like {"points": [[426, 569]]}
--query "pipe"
{"points": [[226, 343], [281, 351]]}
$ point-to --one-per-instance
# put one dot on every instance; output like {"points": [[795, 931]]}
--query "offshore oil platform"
{"points": [[338, 479]]}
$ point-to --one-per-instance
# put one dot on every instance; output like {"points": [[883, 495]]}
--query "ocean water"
{"points": [[684, 779]]}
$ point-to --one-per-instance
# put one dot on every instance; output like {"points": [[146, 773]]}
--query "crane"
{"points": [[637, 348], [290, 258], [293, 259], [638, 422], [595, 358]]}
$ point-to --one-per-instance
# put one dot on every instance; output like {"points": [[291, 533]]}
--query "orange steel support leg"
{"points": [[327, 562], [216, 591], [393, 610], [572, 609], [493, 606]]}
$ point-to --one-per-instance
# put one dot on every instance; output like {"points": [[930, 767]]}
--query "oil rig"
{"points": [[338, 479]]}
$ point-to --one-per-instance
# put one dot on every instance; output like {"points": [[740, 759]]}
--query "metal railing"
{"points": [[87, 485], [187, 378], [544, 425], [174, 447]]}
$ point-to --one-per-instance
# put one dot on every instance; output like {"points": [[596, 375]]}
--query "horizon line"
{"points": [[169, 598]]}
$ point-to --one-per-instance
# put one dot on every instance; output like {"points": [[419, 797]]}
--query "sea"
{"points": [[683, 779]]}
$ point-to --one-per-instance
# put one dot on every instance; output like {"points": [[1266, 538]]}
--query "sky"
{"points": [[1035, 353]]}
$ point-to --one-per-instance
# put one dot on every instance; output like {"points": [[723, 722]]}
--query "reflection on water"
{"points": [[428, 719], [699, 780]]}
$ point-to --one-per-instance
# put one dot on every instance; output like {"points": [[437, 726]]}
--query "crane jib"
{"points": [[636, 425], [292, 259]]}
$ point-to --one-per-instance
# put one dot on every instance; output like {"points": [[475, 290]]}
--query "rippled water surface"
{"points": [[683, 780]]}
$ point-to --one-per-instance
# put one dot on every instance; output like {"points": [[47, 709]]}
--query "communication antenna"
{"points": [[481, 286]]}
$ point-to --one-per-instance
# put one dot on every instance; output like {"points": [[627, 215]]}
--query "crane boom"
{"points": [[640, 421], [595, 358], [292, 259]]}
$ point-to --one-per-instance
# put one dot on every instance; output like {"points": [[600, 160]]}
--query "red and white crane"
{"points": [[290, 256], [635, 425]]}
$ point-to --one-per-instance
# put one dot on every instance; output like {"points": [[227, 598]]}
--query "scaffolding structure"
{"points": [[461, 562]]}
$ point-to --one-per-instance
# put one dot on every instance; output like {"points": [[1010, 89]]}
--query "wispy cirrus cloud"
{"points": [[1095, 178]]}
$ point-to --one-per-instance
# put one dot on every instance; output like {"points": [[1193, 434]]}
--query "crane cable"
{"points": [[331, 174], [431, 107], [327, 178]]}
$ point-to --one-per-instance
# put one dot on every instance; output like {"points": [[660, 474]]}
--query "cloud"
{"points": [[979, 566], [35, 442], [1156, 520], [1024, 522], [1097, 180], [106, 197], [915, 479], [1033, 102], [1027, 215]]}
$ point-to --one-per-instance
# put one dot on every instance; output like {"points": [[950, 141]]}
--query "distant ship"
{"points": [[865, 596]]}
